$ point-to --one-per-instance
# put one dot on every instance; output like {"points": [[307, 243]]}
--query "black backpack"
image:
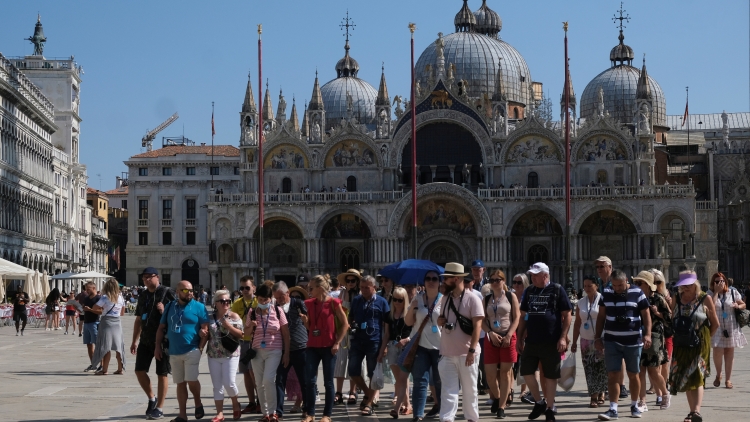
{"points": [[685, 334]]}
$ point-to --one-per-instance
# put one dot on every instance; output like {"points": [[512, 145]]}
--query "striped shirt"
{"points": [[628, 305]]}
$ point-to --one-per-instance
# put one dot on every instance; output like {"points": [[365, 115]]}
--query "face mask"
{"points": [[263, 306]]}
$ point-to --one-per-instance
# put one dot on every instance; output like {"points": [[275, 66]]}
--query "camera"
{"points": [[352, 331], [449, 326], [622, 319], [726, 334]]}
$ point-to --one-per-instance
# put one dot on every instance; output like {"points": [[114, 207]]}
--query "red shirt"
{"points": [[321, 318]]}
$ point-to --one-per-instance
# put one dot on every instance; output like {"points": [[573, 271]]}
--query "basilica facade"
{"points": [[490, 170]]}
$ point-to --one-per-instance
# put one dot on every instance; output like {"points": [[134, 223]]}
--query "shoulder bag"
{"points": [[742, 315]]}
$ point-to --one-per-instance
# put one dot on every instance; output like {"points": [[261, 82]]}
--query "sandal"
{"points": [[101, 373], [365, 402], [352, 398], [236, 414], [729, 385], [406, 410], [394, 414], [367, 411], [717, 381], [697, 417], [509, 401], [338, 398], [650, 391], [325, 419], [199, 412], [217, 419], [295, 410], [593, 403], [689, 417], [600, 399], [119, 372], [309, 418]]}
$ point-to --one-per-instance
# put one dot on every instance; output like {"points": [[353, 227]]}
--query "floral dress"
{"points": [[656, 355], [691, 365], [216, 331]]}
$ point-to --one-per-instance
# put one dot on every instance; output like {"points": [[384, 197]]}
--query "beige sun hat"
{"points": [[350, 272], [646, 277], [454, 269]]}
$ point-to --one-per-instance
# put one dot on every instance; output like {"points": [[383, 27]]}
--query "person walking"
{"points": [[51, 310], [461, 319], [623, 313], [242, 306], [397, 334], [368, 316], [477, 281], [603, 267], [726, 300], [691, 361], [111, 306], [90, 324], [425, 308], [585, 326], [293, 310], [543, 337], [224, 327], [653, 357], [350, 280], [661, 288], [327, 326], [501, 315], [518, 285], [271, 342], [20, 299], [185, 322], [71, 310]]}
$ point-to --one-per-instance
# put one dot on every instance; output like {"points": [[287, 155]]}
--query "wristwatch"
{"points": [[472, 351]]}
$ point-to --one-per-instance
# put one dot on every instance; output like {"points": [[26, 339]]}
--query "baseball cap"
{"points": [[539, 267], [478, 263], [604, 259], [303, 278], [150, 270]]}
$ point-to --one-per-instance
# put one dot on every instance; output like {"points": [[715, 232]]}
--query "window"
{"points": [[166, 238], [190, 171], [143, 171], [214, 171], [190, 206], [236, 171], [166, 209], [143, 209], [90, 202], [143, 238], [351, 184], [190, 238], [124, 204], [286, 185], [166, 171], [533, 181], [166, 280], [349, 258]]}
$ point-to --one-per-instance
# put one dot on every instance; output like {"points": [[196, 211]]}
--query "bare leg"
{"points": [[182, 396], [119, 362], [490, 369], [613, 386], [400, 388], [718, 360], [505, 379], [533, 385], [642, 378], [635, 386], [360, 383], [656, 380], [665, 375], [219, 408], [695, 398], [90, 349], [145, 383], [729, 362], [163, 386], [195, 390], [105, 362], [550, 391]]}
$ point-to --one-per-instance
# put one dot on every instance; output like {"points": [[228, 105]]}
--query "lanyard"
{"points": [[588, 310], [264, 325], [431, 308], [179, 316]]}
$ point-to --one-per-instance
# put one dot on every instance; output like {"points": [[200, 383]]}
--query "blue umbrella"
{"points": [[410, 271]]}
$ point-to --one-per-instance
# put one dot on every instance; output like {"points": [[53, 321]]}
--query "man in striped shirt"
{"points": [[623, 313]]}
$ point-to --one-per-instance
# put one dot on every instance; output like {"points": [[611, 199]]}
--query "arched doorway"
{"points": [[190, 271], [283, 243], [226, 258], [537, 253], [442, 252], [612, 234], [351, 184], [345, 232], [533, 180], [537, 237], [446, 146], [286, 185]]}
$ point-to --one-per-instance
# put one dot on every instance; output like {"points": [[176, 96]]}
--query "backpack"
{"points": [[685, 334]]}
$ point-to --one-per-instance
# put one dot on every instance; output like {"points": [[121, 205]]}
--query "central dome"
{"points": [[476, 58]]}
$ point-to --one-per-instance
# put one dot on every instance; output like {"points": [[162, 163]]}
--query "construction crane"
{"points": [[148, 139]]}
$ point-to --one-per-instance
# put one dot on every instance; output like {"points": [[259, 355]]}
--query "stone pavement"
{"points": [[43, 380]]}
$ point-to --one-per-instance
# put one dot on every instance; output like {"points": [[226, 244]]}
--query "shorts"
{"points": [[90, 332], [20, 316], [615, 353], [185, 366], [394, 350], [494, 355], [80, 317], [70, 313], [358, 351], [547, 354], [143, 357], [244, 346], [669, 344]]}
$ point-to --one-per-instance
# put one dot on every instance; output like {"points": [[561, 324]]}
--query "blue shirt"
{"points": [[373, 313], [183, 324], [628, 305]]}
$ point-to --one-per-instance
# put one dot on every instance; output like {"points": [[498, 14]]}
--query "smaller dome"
{"points": [[621, 53], [465, 20], [488, 21], [347, 66]]}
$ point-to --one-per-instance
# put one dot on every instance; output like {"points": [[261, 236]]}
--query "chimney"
{"points": [[203, 144], [118, 182]]}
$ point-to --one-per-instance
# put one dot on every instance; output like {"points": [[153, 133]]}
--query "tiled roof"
{"points": [[172, 150], [92, 191], [119, 191]]}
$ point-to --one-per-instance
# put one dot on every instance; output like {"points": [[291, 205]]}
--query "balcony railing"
{"points": [[249, 166], [58, 255], [319, 197], [142, 222], [166, 222], [190, 222], [587, 192], [706, 205], [60, 155]]}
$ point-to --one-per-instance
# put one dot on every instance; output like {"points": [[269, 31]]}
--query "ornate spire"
{"points": [[347, 66], [621, 53], [465, 20], [571, 93], [643, 92], [248, 106], [316, 101], [294, 120], [499, 94], [383, 98], [281, 110], [38, 39], [304, 129], [267, 106]]}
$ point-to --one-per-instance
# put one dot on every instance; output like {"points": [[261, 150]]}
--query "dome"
{"points": [[620, 86], [476, 58], [488, 21], [334, 100], [347, 66]]}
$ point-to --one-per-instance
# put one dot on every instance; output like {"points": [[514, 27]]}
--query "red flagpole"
{"points": [[568, 258], [412, 28], [259, 126]]}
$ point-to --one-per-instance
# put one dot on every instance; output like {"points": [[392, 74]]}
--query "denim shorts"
{"points": [[90, 331], [614, 353], [358, 351]]}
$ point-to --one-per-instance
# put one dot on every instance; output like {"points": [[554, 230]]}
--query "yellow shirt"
{"points": [[241, 308]]}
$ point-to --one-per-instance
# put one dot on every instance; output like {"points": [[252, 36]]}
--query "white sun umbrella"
{"points": [[45, 284], [28, 285], [38, 288]]}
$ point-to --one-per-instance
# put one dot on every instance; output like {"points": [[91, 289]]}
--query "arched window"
{"points": [[533, 180], [537, 253], [349, 259], [601, 177], [286, 185], [351, 184]]}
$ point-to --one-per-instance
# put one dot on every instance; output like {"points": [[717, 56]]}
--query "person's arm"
{"points": [[411, 317], [515, 315], [576, 329], [231, 329], [562, 344], [600, 318], [384, 342], [646, 324], [136, 334], [285, 339], [712, 317], [477, 323], [521, 332], [338, 313], [738, 302], [159, 339], [95, 310]]}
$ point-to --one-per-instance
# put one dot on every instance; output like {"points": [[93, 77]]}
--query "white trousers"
{"points": [[223, 374], [265, 364], [454, 375]]}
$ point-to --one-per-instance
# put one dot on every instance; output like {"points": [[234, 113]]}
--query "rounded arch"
{"points": [[603, 144], [350, 151], [439, 243], [678, 212], [535, 223], [271, 144], [438, 190], [277, 228], [278, 214], [533, 207], [330, 214], [225, 253], [190, 271], [535, 142], [577, 223], [286, 156], [607, 222], [223, 229]]}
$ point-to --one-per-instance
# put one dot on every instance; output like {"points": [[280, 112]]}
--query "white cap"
{"points": [[539, 267]]}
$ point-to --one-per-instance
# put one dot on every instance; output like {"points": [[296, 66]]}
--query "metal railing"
{"points": [[243, 198], [142, 222]]}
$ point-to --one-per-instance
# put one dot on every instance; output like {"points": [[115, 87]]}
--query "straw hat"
{"points": [[646, 277], [454, 269], [350, 272], [299, 290]]}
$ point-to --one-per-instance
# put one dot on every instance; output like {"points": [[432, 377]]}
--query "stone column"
{"points": [[453, 171]]}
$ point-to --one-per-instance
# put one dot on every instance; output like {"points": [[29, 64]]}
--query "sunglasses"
{"points": [[517, 281], [431, 279], [224, 302], [638, 283], [496, 280], [245, 288], [351, 280], [186, 290], [397, 300]]}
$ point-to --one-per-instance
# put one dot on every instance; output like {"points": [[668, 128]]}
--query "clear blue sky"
{"points": [[144, 60]]}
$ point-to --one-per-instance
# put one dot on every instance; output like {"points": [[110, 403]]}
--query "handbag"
{"points": [[742, 315], [406, 359], [465, 323], [227, 341]]}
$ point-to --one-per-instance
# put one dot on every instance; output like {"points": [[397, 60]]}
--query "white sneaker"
{"points": [[665, 401], [642, 406], [46, 329], [16, 333]]}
